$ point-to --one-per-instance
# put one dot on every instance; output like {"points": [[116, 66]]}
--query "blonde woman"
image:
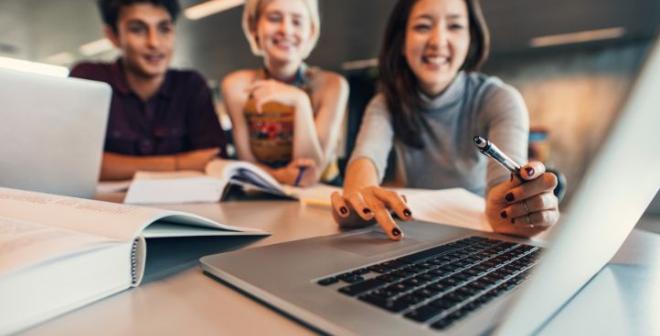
{"points": [[286, 116]]}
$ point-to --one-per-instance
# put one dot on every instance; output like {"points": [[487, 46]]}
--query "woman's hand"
{"points": [[289, 174], [267, 91], [363, 207], [524, 208]]}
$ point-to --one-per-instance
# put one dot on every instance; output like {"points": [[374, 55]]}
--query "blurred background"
{"points": [[573, 60]]}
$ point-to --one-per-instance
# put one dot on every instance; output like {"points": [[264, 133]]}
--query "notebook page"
{"points": [[456, 207]]}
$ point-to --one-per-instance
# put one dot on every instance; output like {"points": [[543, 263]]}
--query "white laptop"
{"points": [[51, 132], [451, 281]]}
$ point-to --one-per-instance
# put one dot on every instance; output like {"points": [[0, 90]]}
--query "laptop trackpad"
{"points": [[372, 243]]}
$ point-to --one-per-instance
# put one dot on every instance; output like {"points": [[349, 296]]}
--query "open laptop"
{"points": [[51, 132], [446, 280]]}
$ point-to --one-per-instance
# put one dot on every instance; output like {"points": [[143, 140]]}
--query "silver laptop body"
{"points": [[51, 132], [619, 184]]}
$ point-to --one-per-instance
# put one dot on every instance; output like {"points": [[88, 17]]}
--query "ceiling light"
{"points": [[96, 47], [210, 7], [577, 37], [33, 67]]}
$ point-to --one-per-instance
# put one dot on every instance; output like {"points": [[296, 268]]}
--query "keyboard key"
{"points": [[425, 254], [390, 305], [377, 269], [361, 271], [443, 323], [411, 299], [327, 281], [392, 264], [423, 313], [361, 287], [426, 292], [443, 304], [350, 278]]}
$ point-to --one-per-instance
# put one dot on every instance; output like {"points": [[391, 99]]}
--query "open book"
{"points": [[59, 253], [197, 187]]}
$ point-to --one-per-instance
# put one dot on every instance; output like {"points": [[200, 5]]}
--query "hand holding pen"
{"points": [[525, 204], [299, 172]]}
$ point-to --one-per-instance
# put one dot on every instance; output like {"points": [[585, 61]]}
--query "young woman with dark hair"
{"points": [[432, 104]]}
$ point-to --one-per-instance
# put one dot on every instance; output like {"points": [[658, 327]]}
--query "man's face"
{"points": [[145, 35]]}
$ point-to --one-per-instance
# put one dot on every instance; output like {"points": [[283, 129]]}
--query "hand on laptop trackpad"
{"points": [[372, 243]]}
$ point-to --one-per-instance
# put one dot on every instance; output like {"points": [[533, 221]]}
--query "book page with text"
{"points": [[111, 220], [24, 244]]}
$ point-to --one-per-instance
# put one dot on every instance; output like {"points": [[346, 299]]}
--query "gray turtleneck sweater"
{"points": [[473, 104]]}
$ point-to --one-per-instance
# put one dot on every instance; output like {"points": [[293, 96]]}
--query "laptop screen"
{"points": [[618, 185], [52, 133]]}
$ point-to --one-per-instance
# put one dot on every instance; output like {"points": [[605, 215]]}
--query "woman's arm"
{"points": [[333, 93], [524, 205], [235, 94], [315, 134], [122, 167], [235, 89], [363, 201]]}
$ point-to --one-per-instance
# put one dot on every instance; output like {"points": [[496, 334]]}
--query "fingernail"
{"points": [[343, 210], [530, 171], [509, 197], [511, 178], [513, 221], [407, 213], [405, 199], [366, 211], [396, 232], [503, 214]]}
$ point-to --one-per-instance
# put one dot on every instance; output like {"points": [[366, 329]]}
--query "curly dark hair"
{"points": [[397, 81], [110, 9]]}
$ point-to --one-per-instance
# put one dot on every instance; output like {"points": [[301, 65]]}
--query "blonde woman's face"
{"points": [[284, 30], [437, 42]]}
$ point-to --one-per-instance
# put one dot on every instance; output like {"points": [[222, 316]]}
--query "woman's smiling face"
{"points": [[437, 42], [283, 30]]}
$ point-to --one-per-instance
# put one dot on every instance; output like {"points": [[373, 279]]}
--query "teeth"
{"points": [[436, 60]]}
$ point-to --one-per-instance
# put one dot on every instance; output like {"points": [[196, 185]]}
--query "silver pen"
{"points": [[489, 149]]}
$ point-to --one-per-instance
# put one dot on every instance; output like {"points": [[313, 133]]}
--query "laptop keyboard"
{"points": [[443, 284]]}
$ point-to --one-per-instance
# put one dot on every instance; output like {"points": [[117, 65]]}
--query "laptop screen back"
{"points": [[616, 189], [51, 133]]}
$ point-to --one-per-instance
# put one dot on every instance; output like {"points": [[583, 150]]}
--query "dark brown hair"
{"points": [[110, 9], [398, 82]]}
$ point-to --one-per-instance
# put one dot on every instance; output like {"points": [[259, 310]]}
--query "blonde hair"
{"points": [[251, 13]]}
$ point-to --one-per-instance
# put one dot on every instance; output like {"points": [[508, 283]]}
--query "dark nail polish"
{"points": [[343, 210], [407, 213], [511, 178], [529, 171], [503, 214], [396, 232], [366, 211], [513, 221], [509, 197]]}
